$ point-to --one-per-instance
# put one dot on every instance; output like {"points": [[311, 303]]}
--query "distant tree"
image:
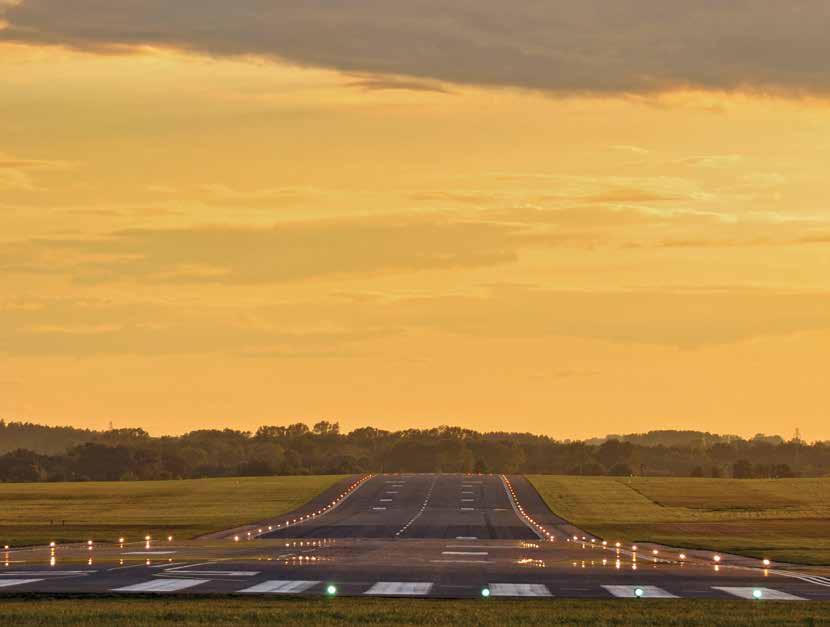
{"points": [[742, 469], [697, 471], [621, 470]]}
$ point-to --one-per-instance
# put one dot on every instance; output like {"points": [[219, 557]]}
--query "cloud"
{"points": [[340, 327], [391, 83], [561, 46], [289, 251]]}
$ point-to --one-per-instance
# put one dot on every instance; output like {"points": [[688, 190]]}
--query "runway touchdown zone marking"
{"points": [[280, 587], [399, 588], [519, 590], [630, 592], [767, 594], [162, 585]]}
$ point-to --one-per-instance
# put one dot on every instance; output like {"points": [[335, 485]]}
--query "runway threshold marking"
{"points": [[648, 592], [400, 588], [468, 509], [382, 509], [766, 593], [162, 585], [386, 500], [518, 590], [280, 587], [8, 583]]}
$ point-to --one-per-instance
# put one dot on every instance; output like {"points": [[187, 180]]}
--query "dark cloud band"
{"points": [[563, 46]]}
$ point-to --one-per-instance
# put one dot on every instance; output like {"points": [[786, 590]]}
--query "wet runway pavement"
{"points": [[453, 536]]}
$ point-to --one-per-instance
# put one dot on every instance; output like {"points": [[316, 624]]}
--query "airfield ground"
{"points": [[786, 520]]}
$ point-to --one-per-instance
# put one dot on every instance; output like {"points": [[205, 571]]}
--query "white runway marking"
{"points": [[459, 561], [382, 509], [49, 573], [467, 500], [149, 553], [468, 509], [386, 500], [162, 585], [391, 492], [464, 553], [280, 587], [766, 593], [518, 590], [466, 537], [399, 588], [630, 592], [8, 583], [217, 573]]}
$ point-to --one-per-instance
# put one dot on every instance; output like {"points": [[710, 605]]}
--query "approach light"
{"points": [[331, 590], [51, 545], [639, 592], [757, 593], [485, 592]]}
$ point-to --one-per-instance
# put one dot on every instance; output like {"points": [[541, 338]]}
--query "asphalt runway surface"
{"points": [[449, 536]]}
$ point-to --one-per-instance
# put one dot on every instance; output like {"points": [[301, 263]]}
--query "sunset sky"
{"points": [[571, 218]]}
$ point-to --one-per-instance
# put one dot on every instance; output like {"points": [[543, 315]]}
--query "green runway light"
{"points": [[485, 592], [331, 590]]}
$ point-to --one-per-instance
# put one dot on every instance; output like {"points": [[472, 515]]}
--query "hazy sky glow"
{"points": [[568, 218]]}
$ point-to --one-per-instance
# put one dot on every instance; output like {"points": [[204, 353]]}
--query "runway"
{"points": [[447, 536]]}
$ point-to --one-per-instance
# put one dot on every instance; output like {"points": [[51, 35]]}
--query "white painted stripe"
{"points": [[766, 593], [162, 585], [218, 573], [399, 588], [391, 492], [467, 500], [8, 583], [518, 590], [459, 561], [466, 537], [280, 587], [149, 553], [649, 592], [464, 553], [48, 573], [382, 509], [468, 509]]}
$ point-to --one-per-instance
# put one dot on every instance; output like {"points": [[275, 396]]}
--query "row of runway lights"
{"points": [[593, 541], [90, 544], [324, 510]]}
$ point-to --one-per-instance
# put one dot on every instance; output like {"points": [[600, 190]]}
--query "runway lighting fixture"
{"points": [[639, 592], [716, 558], [485, 592], [682, 556], [51, 545], [757, 593], [331, 590], [236, 538], [766, 562], [169, 538]]}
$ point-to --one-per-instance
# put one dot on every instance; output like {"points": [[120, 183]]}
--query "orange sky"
{"points": [[207, 240]]}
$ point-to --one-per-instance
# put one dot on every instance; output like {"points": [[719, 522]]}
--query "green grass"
{"points": [[784, 519], [36, 513], [235, 611]]}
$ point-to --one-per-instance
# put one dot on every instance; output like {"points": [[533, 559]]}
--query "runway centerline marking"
{"points": [[464, 553]]}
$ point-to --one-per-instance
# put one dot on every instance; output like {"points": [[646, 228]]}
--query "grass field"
{"points": [[234, 611], [784, 519], [36, 513]]}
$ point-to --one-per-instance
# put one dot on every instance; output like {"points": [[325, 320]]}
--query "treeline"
{"points": [[132, 454]]}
